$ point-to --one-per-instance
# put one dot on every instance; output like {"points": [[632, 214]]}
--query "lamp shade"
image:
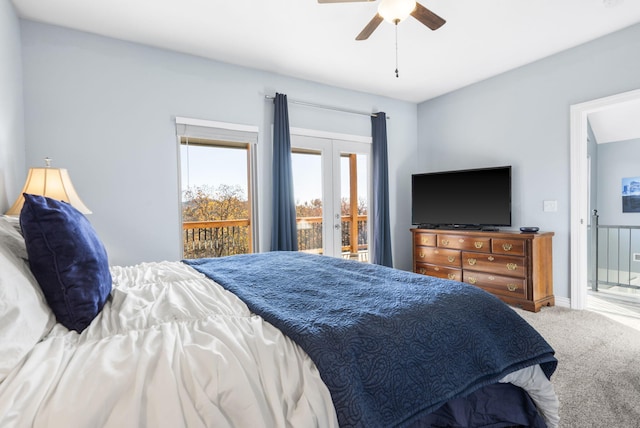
{"points": [[395, 11], [50, 182]]}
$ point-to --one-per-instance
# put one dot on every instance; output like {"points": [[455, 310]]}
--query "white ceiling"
{"points": [[312, 41], [620, 122]]}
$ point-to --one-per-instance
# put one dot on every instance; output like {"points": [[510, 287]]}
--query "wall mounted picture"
{"points": [[631, 195]]}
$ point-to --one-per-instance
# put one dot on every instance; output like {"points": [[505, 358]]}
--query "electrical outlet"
{"points": [[550, 206]]}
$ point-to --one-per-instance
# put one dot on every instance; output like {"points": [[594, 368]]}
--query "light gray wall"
{"points": [[12, 144], [105, 110], [616, 161], [521, 118]]}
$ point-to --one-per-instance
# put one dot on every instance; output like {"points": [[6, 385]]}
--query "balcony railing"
{"points": [[310, 237], [216, 238], [220, 238]]}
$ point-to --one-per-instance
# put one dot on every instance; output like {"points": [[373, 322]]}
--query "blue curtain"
{"points": [[284, 235], [381, 231]]}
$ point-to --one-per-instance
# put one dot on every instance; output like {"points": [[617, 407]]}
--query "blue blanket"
{"points": [[390, 345]]}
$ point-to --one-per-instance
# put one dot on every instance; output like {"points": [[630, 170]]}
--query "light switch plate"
{"points": [[550, 206]]}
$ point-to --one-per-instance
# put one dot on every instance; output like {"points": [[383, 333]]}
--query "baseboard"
{"points": [[564, 302]]}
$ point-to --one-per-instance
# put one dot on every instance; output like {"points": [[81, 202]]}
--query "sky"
{"points": [[212, 166]]}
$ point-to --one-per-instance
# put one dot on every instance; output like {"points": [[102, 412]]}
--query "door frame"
{"points": [[579, 168], [345, 140]]}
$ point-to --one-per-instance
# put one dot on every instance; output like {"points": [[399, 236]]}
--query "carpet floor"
{"points": [[598, 375]]}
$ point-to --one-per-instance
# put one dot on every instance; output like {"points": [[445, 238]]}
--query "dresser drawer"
{"points": [[425, 239], [508, 246], [439, 271], [497, 284], [468, 243], [494, 263], [438, 256]]}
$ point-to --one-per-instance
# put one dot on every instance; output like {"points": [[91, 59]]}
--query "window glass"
{"points": [[216, 198]]}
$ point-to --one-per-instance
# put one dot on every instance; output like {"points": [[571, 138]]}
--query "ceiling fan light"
{"points": [[395, 11]]}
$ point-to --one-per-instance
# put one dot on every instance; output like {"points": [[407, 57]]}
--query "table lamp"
{"points": [[53, 183]]}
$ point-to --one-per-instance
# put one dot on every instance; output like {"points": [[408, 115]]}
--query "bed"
{"points": [[263, 340]]}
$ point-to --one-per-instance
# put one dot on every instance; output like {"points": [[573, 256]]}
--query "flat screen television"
{"points": [[473, 198]]}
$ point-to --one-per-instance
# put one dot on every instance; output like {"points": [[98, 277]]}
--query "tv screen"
{"points": [[474, 198]]}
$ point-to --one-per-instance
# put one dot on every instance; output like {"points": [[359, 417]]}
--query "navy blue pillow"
{"points": [[67, 259]]}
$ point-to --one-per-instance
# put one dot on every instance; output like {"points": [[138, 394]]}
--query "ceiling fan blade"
{"points": [[370, 28], [343, 1], [427, 17]]}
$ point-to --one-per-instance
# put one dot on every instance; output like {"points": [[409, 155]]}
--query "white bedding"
{"points": [[170, 349]]}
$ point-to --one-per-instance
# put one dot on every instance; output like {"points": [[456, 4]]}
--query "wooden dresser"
{"points": [[514, 266]]}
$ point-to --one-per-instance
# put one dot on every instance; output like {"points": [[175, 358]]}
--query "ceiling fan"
{"points": [[395, 11]]}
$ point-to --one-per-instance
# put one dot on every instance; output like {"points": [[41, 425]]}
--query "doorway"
{"points": [[580, 214], [331, 178]]}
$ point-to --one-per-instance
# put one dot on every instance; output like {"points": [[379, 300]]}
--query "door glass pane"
{"points": [[327, 176], [307, 179], [215, 199], [353, 206]]}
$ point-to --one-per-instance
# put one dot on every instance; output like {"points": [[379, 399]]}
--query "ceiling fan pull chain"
{"points": [[397, 48]]}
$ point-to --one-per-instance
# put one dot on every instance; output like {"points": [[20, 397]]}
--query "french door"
{"points": [[331, 180]]}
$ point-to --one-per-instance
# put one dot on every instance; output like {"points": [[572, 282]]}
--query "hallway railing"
{"points": [[615, 255]]}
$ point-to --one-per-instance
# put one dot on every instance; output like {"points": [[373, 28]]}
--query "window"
{"points": [[217, 198]]}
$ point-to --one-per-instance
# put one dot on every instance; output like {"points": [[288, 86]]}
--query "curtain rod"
{"points": [[344, 110]]}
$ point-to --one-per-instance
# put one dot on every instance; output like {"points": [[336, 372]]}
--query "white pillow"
{"points": [[25, 317]]}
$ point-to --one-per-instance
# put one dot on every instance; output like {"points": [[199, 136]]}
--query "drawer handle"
{"points": [[507, 247], [490, 258], [512, 266], [451, 276], [472, 262], [444, 242], [424, 240], [478, 245], [437, 269], [472, 280], [512, 287], [422, 270], [451, 259], [422, 255]]}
